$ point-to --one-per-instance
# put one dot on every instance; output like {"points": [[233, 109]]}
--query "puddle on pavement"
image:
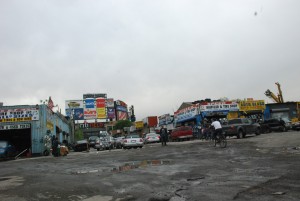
{"points": [[4, 179], [135, 165]]}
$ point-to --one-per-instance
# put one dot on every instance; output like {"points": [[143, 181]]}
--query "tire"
{"points": [[46, 153], [240, 134], [257, 132], [223, 142]]}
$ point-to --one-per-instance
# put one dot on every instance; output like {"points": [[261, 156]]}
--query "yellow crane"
{"points": [[278, 98]]}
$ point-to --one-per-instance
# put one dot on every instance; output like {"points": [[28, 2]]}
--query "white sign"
{"points": [[219, 106]]}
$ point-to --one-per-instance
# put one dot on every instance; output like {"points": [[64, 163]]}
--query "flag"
{"points": [[50, 103]]}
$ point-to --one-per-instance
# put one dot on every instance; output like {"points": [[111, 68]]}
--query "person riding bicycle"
{"points": [[218, 128]]}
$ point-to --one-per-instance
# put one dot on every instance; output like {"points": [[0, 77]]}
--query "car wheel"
{"points": [[240, 134], [283, 129], [257, 132], [46, 153]]}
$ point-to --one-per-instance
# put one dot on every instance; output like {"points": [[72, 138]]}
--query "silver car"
{"points": [[151, 137], [133, 140]]}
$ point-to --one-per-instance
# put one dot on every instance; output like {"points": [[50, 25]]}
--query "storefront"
{"points": [[29, 127], [219, 110], [288, 110]]}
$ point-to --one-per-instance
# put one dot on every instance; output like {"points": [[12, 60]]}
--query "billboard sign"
{"points": [[90, 113], [20, 114], [110, 102], [71, 104], [251, 105], [89, 103], [86, 96], [219, 106], [186, 113], [78, 114]]}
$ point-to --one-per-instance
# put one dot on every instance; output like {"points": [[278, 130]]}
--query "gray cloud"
{"points": [[151, 54]]}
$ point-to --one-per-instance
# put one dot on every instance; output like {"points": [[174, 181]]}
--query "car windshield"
{"points": [[285, 119], [3, 144], [93, 138]]}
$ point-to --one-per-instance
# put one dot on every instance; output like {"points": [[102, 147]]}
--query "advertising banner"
{"points": [[17, 115], [122, 115], [121, 103], [139, 124], [89, 103], [219, 106], [101, 113], [100, 103], [71, 104], [252, 105], [90, 113], [110, 102], [186, 113], [78, 114], [121, 108], [164, 119], [111, 113]]}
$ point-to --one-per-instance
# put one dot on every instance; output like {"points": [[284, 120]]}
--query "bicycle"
{"points": [[221, 140]]}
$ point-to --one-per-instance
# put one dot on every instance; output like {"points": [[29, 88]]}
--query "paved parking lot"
{"points": [[264, 167]]}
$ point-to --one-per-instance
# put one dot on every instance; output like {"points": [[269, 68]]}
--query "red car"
{"points": [[181, 133]]}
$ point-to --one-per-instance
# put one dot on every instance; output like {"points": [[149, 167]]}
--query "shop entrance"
{"points": [[20, 138]]}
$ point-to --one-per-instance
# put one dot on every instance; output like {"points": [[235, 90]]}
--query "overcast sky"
{"points": [[152, 54]]}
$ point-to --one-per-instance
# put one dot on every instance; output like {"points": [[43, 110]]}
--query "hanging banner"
{"points": [[111, 113]]}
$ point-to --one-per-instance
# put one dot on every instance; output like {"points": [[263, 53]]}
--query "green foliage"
{"points": [[122, 123], [79, 135]]}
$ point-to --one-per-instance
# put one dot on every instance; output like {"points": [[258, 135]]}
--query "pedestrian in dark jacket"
{"points": [[55, 147], [163, 136]]}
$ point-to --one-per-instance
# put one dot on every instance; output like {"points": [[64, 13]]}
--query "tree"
{"points": [[78, 135], [122, 123]]}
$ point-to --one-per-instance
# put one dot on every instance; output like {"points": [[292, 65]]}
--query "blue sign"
{"points": [[89, 103]]}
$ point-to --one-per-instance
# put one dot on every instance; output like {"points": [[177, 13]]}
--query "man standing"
{"points": [[163, 136]]}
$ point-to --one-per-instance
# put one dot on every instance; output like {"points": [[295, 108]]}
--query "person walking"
{"points": [[163, 136]]}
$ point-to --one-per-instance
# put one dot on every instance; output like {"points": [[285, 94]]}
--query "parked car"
{"points": [[100, 144], [274, 124], [92, 140], [119, 142], [7, 150], [296, 126], [133, 140], [151, 137], [81, 145], [240, 127], [111, 142], [181, 133]]}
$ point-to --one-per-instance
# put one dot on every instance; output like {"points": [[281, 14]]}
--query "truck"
{"points": [[240, 127]]}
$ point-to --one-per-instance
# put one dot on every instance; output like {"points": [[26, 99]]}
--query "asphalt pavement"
{"points": [[264, 167]]}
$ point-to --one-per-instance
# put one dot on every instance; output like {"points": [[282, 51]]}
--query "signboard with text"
{"points": [[18, 115], [252, 105]]}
